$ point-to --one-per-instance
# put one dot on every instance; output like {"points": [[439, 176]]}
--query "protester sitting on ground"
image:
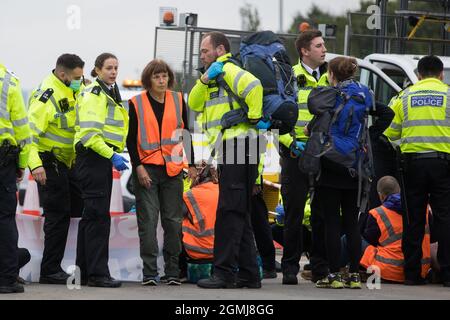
{"points": [[381, 241], [199, 216]]}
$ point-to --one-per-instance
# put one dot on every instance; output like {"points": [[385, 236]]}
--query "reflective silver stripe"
{"points": [[198, 249], [386, 221], [91, 124], [395, 126], [391, 239], [305, 88], [178, 107], [303, 106], [425, 261], [173, 159], [9, 130], [198, 213], [4, 114], [84, 139], [206, 233], [34, 128], [114, 123], [216, 101], [212, 124], [113, 136], [62, 117], [236, 80], [422, 123], [427, 229], [4, 94], [169, 142], [144, 143], [24, 142], [110, 117], [438, 139], [427, 92], [301, 123], [405, 104], [35, 140], [394, 262], [249, 88], [56, 138], [20, 122]]}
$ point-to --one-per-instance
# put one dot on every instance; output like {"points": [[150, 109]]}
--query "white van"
{"points": [[402, 68]]}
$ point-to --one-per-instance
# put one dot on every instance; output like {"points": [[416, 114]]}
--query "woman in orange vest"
{"points": [[155, 142]]}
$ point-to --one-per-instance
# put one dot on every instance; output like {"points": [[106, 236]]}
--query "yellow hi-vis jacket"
{"points": [[103, 122], [52, 120], [14, 125], [422, 117], [307, 83], [213, 101]]}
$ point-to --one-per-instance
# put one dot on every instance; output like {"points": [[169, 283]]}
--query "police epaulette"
{"points": [[46, 95], [96, 90]]}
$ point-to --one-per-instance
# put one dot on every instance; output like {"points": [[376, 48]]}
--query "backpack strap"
{"points": [[231, 95]]}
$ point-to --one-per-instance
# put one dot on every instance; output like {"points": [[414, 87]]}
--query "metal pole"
{"points": [[280, 29], [346, 40], [183, 75]]}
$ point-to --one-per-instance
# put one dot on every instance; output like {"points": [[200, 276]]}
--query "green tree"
{"points": [[250, 18]]}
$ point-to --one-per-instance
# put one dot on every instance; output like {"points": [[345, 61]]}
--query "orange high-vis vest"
{"points": [[166, 149], [198, 228], [388, 256]]}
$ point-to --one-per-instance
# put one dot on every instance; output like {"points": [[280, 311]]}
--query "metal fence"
{"points": [[180, 48]]}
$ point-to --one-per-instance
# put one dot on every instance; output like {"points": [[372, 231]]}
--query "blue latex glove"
{"points": [[214, 70], [119, 162], [297, 147], [263, 124]]}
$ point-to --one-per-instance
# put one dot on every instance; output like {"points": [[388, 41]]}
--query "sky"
{"points": [[34, 33]]}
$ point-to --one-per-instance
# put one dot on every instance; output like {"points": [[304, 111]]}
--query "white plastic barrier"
{"points": [[124, 259]]}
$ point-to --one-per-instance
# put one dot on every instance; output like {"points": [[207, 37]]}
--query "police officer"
{"points": [[15, 140], [100, 135], [233, 231], [52, 121], [421, 123], [311, 71]]}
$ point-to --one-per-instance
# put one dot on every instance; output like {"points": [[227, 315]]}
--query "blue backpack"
{"points": [[264, 56], [339, 132]]}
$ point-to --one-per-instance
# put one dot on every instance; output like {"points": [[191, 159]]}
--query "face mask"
{"points": [[75, 85]]}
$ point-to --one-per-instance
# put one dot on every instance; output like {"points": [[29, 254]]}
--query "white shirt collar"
{"points": [[310, 70]]}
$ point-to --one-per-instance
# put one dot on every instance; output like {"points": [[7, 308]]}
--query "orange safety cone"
{"points": [[116, 205], [31, 203]]}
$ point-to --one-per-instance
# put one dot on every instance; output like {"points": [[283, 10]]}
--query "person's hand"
{"points": [[256, 190], [297, 147], [263, 124], [119, 162], [39, 175], [306, 131], [19, 175], [192, 173], [214, 70], [143, 177]]}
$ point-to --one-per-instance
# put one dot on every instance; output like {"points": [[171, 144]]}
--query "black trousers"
{"points": [[95, 175], [427, 182], [8, 228], [60, 196], [294, 190], [335, 201], [234, 244], [263, 232], [318, 260]]}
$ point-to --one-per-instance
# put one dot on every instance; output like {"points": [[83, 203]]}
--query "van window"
{"points": [[394, 72], [383, 91]]}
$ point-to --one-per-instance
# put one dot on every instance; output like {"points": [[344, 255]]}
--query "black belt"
{"points": [[79, 147], [428, 155]]}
